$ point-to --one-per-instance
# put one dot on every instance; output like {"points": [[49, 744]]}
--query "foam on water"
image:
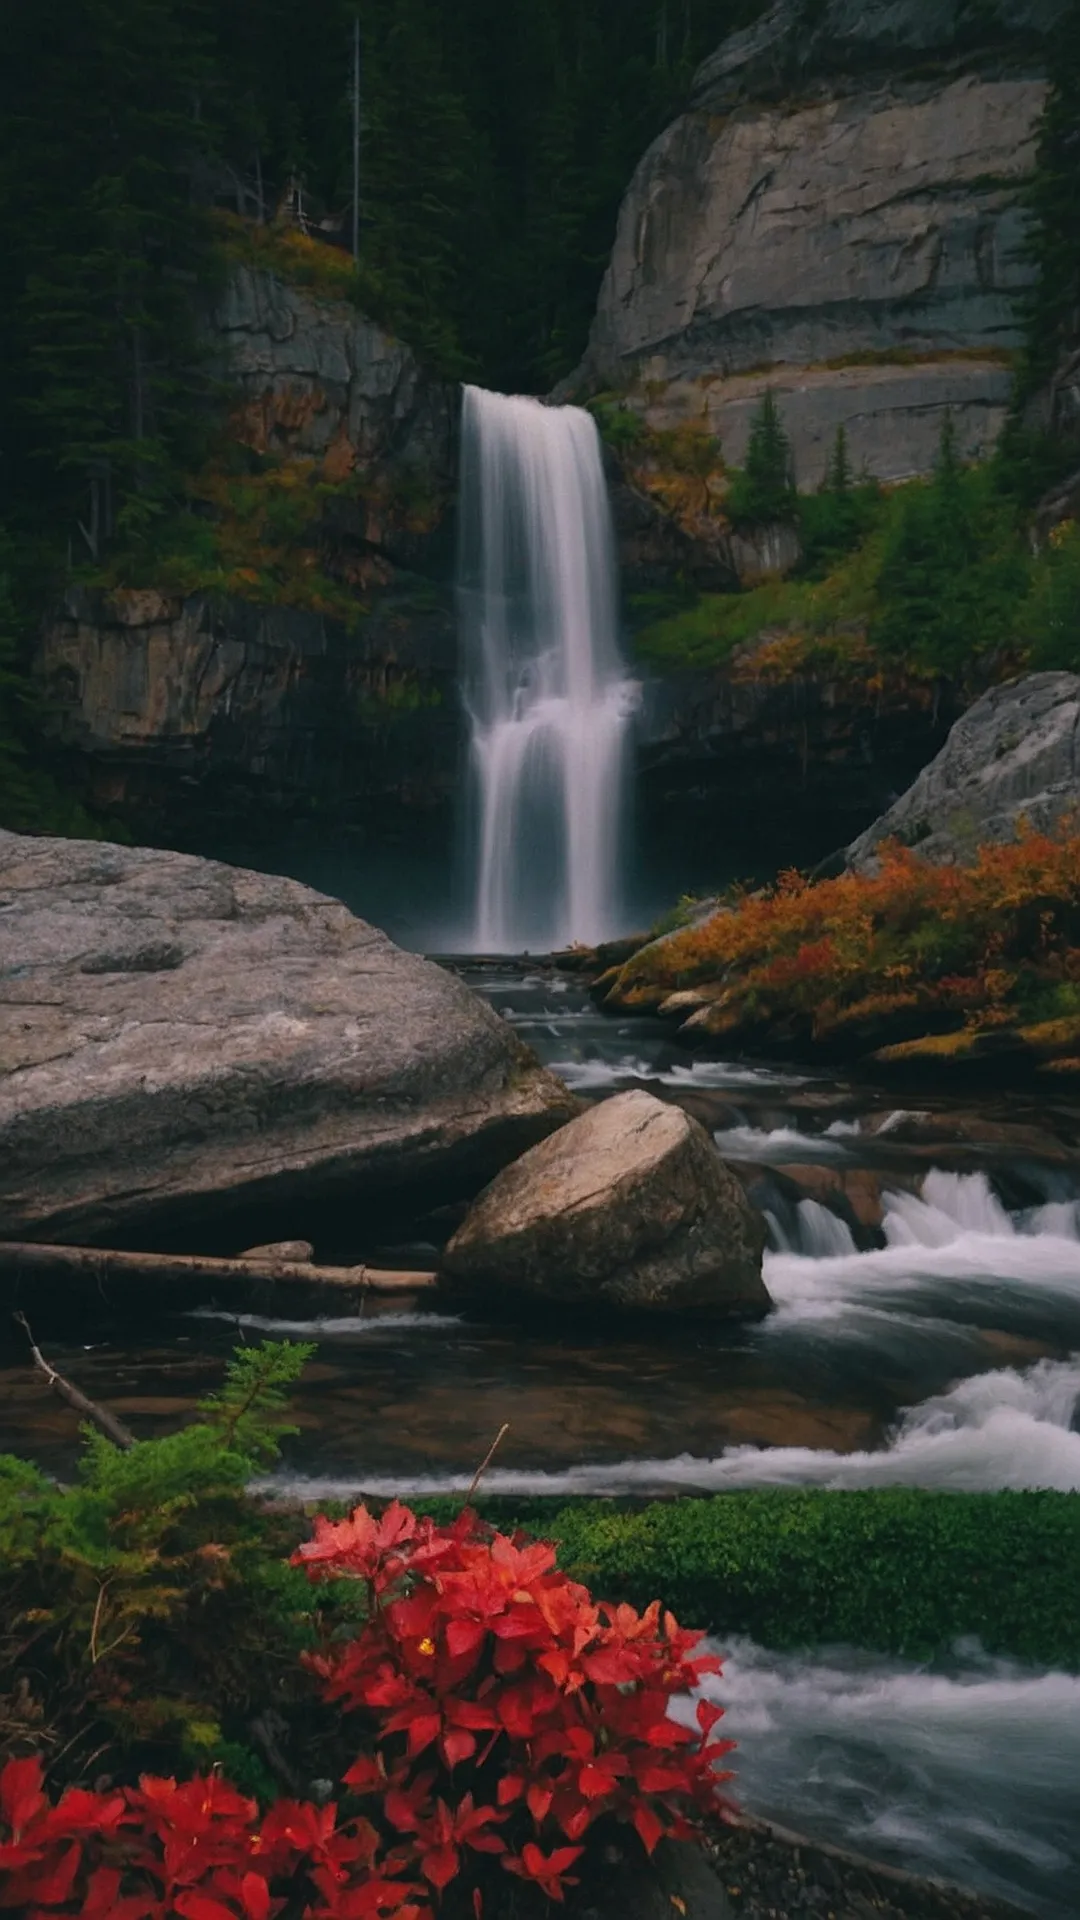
{"points": [[954, 1251], [705, 1074], [777, 1143], [328, 1327], [971, 1773], [1007, 1428]]}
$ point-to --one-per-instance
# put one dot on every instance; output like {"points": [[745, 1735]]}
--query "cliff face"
{"points": [[190, 715], [838, 215], [318, 379]]}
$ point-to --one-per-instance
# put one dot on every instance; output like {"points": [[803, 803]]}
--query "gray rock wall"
{"points": [[837, 215], [314, 376], [201, 719], [1011, 762]]}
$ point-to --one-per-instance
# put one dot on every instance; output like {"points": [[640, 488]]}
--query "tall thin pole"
{"points": [[356, 141]]}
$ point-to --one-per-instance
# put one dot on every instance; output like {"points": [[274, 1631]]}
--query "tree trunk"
{"points": [[98, 1264]]}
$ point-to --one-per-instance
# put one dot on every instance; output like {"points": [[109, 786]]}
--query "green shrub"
{"points": [[619, 425], [893, 1570], [1051, 618], [839, 516], [954, 575], [147, 1612]]}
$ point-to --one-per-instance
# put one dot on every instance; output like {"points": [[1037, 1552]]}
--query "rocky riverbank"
{"points": [[944, 938]]}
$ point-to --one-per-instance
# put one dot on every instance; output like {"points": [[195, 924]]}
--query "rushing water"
{"points": [[969, 1769], [938, 1346], [545, 689]]}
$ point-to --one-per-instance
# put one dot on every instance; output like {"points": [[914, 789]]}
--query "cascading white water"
{"points": [[545, 690]]}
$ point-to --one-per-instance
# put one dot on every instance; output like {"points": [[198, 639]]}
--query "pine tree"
{"points": [[954, 575], [839, 477], [764, 492], [100, 117], [1053, 316]]}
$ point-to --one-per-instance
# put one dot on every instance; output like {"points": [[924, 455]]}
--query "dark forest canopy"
{"points": [[497, 139]]}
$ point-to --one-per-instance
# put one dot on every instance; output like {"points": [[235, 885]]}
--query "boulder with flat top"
{"points": [[193, 1054], [628, 1207]]}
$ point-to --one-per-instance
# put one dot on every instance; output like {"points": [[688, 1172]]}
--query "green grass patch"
{"points": [[895, 1570], [708, 633]]}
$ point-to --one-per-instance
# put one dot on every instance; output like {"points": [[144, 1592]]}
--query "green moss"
{"points": [[895, 1570]]}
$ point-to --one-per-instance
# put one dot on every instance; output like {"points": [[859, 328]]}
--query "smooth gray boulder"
{"points": [[1014, 757], [630, 1207], [183, 1043]]}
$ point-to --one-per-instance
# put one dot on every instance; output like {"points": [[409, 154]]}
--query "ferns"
{"points": [[147, 1607]]}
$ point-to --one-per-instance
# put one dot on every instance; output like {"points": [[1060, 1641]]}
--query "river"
{"points": [[928, 1338]]}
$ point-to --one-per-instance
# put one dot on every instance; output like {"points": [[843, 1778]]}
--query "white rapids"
{"points": [[969, 1770], [548, 701], [947, 1252]]}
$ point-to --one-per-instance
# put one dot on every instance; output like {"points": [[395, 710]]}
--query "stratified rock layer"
{"points": [[1013, 760], [837, 216], [627, 1207], [183, 1042]]}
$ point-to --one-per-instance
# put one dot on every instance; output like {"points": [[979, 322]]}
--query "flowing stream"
{"points": [[926, 1274], [547, 698]]}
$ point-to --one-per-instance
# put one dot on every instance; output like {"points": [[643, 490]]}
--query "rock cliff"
{"points": [[193, 713], [837, 215], [1011, 763]]}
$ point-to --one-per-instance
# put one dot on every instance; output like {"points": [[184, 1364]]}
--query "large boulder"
{"points": [[1012, 760], [629, 1206], [188, 1048]]}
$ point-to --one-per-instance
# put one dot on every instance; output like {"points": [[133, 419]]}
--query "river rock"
{"points": [[629, 1206], [184, 1044], [1013, 758]]}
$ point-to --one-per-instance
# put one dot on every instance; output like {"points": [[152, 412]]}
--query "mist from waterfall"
{"points": [[548, 702]]}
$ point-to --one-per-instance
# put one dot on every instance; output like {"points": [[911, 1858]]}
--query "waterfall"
{"points": [[545, 690]]}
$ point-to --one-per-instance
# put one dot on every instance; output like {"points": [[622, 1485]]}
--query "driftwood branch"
{"points": [[106, 1422], [98, 1263], [486, 1462]]}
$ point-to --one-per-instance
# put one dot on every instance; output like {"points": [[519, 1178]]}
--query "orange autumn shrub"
{"points": [[991, 943]]}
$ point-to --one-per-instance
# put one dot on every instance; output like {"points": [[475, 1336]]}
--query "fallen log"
{"points": [[101, 1264]]}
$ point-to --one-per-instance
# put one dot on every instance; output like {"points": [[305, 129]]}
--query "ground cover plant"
{"points": [[914, 962], [473, 1699]]}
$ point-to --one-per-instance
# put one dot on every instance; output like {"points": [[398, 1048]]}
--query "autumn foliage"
{"points": [[501, 1712], [962, 953]]}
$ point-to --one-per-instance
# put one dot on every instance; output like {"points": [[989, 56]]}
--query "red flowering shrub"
{"points": [[504, 1713], [507, 1710], [194, 1852], [869, 960]]}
